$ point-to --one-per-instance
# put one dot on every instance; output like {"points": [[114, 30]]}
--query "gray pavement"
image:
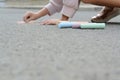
{"points": [[45, 52]]}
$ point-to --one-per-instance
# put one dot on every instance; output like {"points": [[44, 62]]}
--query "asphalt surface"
{"points": [[45, 52]]}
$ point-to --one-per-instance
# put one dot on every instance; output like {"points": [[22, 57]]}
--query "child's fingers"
{"points": [[28, 20], [25, 18], [45, 22], [28, 16]]}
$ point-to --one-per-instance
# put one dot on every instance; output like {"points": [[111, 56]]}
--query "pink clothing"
{"points": [[66, 7]]}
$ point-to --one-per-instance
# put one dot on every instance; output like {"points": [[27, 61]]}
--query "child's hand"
{"points": [[29, 16], [51, 22]]}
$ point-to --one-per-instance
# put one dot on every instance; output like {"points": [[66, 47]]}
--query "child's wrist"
{"points": [[61, 20], [64, 18]]}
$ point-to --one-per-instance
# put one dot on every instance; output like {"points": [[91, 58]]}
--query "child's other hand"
{"points": [[51, 22], [29, 16]]}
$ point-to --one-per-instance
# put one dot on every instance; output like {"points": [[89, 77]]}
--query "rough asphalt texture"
{"points": [[44, 52]]}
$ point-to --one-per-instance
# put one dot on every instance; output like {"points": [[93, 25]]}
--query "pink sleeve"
{"points": [[67, 7], [68, 11], [54, 6], [70, 7]]}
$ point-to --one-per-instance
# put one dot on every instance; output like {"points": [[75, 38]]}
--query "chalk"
{"points": [[76, 26], [22, 22], [67, 24], [82, 25], [93, 26]]}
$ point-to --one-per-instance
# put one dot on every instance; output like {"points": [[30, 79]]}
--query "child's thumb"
{"points": [[29, 18]]}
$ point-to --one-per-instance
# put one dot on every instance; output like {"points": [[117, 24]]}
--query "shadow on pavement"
{"points": [[114, 23]]}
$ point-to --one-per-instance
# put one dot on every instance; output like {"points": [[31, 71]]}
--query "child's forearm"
{"points": [[42, 12], [45, 11]]}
